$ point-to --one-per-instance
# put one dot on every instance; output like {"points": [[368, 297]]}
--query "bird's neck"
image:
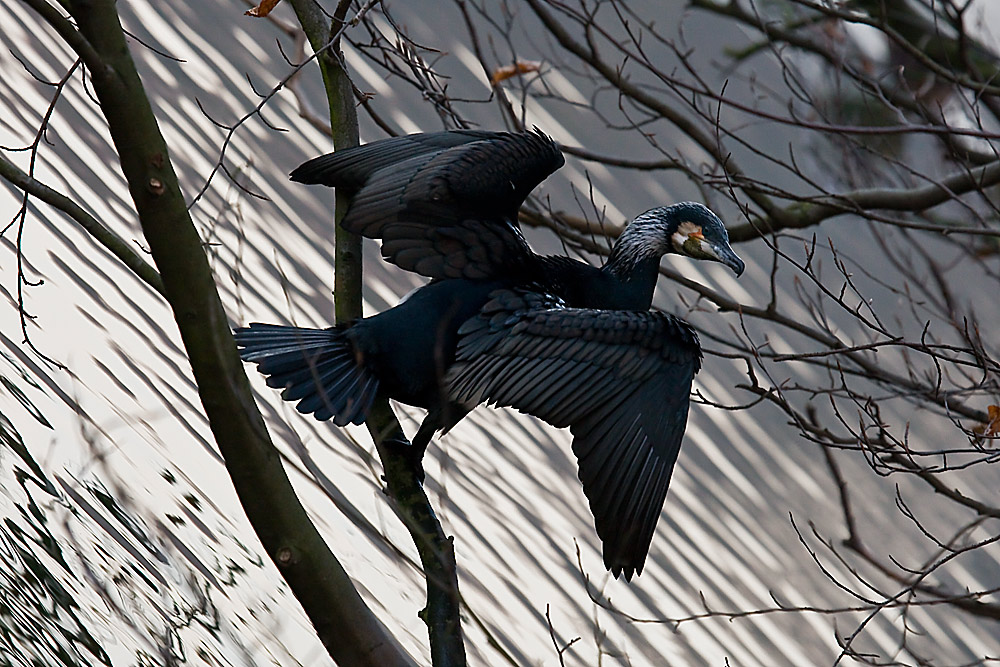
{"points": [[634, 261], [634, 288]]}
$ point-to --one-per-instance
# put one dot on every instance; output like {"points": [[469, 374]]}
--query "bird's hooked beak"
{"points": [[728, 257]]}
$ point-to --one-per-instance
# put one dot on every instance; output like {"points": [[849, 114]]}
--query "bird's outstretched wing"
{"points": [[350, 168], [444, 204], [619, 379]]}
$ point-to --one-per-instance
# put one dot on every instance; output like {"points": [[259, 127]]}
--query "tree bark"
{"points": [[352, 634]]}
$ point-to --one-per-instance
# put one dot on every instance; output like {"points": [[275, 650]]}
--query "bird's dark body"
{"points": [[573, 344], [411, 346]]}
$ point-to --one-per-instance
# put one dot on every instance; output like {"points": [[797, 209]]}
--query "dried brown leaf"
{"points": [[993, 428], [263, 9], [520, 67]]}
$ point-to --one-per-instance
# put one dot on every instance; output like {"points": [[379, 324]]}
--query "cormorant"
{"points": [[554, 337]]}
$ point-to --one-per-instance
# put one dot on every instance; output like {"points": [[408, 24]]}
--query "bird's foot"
{"points": [[413, 455]]}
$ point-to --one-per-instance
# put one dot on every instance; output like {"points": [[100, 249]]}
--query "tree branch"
{"points": [[115, 244], [615, 77], [809, 213], [436, 550], [350, 631], [68, 32]]}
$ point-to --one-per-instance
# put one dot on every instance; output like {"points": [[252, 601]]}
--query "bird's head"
{"points": [[686, 229], [698, 233]]}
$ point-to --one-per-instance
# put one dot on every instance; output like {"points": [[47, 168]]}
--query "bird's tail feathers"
{"points": [[316, 368]]}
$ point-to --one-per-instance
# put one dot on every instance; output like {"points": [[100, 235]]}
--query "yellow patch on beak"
{"points": [[687, 239]]}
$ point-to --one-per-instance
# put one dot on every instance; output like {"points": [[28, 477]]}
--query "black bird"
{"points": [[554, 337]]}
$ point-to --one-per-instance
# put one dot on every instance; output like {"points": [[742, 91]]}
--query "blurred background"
{"points": [[836, 500]]}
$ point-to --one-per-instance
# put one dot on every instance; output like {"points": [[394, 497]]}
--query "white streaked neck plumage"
{"points": [[646, 239]]}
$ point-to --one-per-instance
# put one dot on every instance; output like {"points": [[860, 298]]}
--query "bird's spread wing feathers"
{"points": [[350, 168], [619, 379], [444, 204]]}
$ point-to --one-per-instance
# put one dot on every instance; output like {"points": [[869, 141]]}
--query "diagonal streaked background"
{"points": [[155, 561]]}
